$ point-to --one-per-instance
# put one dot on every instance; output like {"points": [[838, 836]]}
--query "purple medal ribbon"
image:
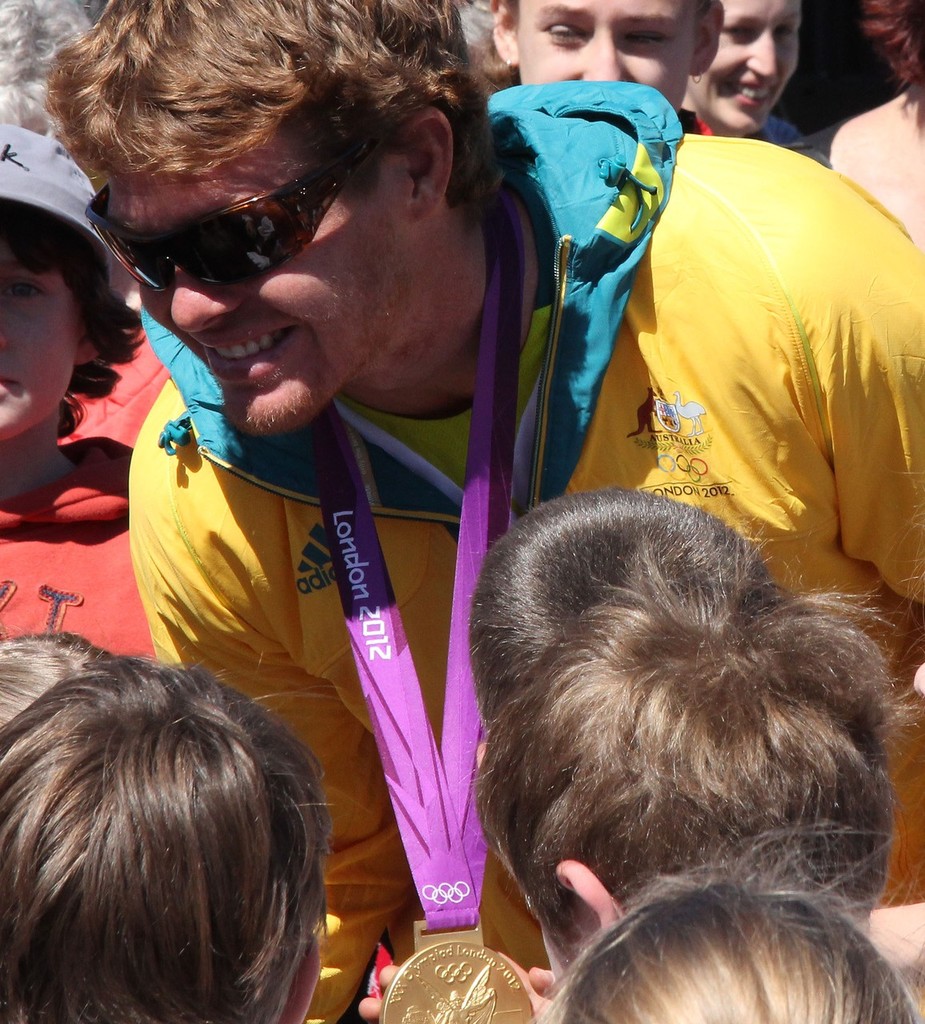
{"points": [[432, 789]]}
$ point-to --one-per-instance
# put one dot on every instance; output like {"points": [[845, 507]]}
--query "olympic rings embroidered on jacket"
{"points": [[695, 468]]}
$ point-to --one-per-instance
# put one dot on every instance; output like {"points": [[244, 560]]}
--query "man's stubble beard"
{"points": [[281, 418], [297, 402]]}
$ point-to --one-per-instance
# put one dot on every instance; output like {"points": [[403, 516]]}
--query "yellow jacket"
{"points": [[769, 368]]}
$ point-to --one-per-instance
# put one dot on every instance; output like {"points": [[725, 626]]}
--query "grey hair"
{"points": [[31, 32]]}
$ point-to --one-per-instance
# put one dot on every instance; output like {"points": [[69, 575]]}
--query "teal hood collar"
{"points": [[593, 162]]}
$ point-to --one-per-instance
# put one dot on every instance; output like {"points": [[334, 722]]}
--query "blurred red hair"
{"points": [[897, 30]]}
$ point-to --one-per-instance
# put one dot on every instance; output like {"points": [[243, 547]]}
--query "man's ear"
{"points": [[505, 32], [602, 909], [709, 26], [302, 988], [423, 149]]}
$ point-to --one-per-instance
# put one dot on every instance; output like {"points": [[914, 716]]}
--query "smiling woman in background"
{"points": [[757, 56], [651, 42]]}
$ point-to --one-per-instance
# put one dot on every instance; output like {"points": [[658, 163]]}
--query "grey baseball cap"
{"points": [[38, 171]]}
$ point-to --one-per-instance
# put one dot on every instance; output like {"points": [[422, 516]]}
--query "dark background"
{"points": [[838, 74]]}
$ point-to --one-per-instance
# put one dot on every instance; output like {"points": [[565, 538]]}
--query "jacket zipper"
{"points": [[555, 323]]}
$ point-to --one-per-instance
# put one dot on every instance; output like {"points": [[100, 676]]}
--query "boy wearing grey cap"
{"points": [[64, 561]]}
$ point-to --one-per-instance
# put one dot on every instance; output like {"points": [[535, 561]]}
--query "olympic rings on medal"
{"points": [[694, 468], [454, 973], [446, 892]]}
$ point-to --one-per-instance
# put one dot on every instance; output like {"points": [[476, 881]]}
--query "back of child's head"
{"points": [[694, 951], [653, 701], [33, 663], [43, 195], [620, 551], [161, 848]]}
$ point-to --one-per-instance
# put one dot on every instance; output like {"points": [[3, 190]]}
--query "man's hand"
{"points": [[371, 1007], [919, 681], [899, 932], [537, 982]]}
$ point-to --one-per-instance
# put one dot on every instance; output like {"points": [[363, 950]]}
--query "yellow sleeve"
{"points": [[869, 346], [814, 338], [844, 364], [864, 311]]}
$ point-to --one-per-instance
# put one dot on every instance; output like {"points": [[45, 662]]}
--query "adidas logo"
{"points": [[316, 568]]}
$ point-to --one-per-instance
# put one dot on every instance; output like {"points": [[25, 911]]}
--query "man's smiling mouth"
{"points": [[249, 348]]}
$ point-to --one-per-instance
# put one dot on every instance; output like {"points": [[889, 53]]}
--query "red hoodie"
{"points": [[121, 413], [64, 557]]}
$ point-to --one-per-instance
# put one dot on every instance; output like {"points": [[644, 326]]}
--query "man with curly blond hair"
{"points": [[300, 187]]}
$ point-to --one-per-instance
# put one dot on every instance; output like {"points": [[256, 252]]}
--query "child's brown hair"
{"points": [[161, 848], [654, 701]]}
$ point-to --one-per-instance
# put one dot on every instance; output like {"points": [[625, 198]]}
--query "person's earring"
{"points": [[696, 79]]}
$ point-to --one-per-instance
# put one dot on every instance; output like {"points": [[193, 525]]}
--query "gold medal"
{"points": [[454, 979]]}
